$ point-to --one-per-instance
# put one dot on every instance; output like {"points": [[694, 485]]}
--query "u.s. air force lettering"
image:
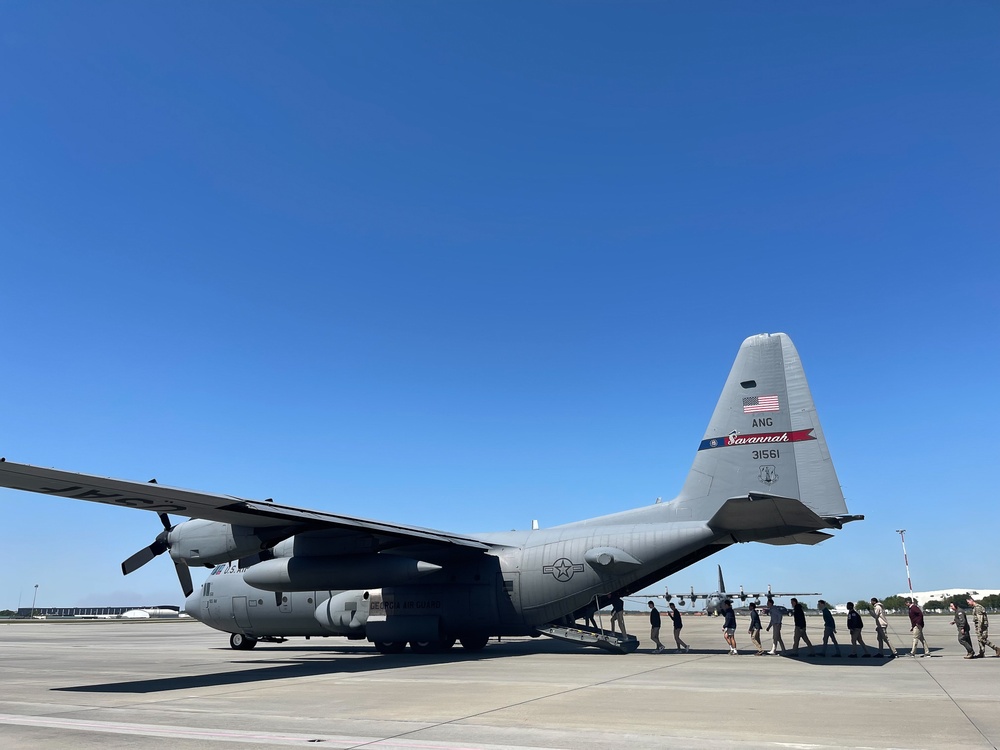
{"points": [[562, 569]]}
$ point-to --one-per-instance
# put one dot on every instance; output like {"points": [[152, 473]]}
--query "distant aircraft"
{"points": [[146, 613], [713, 600], [762, 473]]}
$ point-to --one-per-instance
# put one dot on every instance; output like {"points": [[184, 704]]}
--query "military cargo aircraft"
{"points": [[762, 473], [713, 600]]}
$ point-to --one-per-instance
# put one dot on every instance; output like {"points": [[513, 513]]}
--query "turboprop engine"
{"points": [[201, 542]]}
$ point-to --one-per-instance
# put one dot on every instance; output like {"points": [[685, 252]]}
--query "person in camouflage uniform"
{"points": [[962, 623], [982, 627]]}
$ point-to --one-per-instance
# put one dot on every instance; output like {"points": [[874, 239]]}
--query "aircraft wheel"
{"points": [[474, 642], [432, 647], [242, 642], [390, 647]]}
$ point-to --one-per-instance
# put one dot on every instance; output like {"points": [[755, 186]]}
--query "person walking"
{"points": [[829, 627], [754, 629], [618, 613], [961, 622], [654, 628], [675, 617], [729, 627], [854, 626], [799, 619], [881, 628], [775, 614], [982, 627], [917, 627]]}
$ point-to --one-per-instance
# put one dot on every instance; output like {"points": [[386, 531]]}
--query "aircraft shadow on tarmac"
{"points": [[285, 665], [845, 660], [282, 663]]}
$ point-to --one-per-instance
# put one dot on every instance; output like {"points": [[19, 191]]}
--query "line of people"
{"points": [[855, 626]]}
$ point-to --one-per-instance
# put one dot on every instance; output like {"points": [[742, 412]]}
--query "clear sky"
{"points": [[465, 265]]}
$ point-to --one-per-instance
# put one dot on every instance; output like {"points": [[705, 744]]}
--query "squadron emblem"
{"points": [[768, 475]]}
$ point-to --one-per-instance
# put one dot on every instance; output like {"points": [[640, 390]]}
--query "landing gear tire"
{"points": [[432, 647], [474, 642], [390, 647], [242, 642]]}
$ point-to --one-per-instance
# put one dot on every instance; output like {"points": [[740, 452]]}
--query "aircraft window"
{"points": [[749, 384]]}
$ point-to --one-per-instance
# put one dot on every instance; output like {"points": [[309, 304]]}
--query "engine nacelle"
{"points": [[201, 542]]}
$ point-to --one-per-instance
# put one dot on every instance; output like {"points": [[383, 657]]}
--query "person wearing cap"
{"points": [[881, 625], [961, 622], [982, 626], [916, 627], [829, 627]]}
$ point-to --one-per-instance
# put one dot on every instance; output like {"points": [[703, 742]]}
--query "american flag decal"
{"points": [[754, 404]]}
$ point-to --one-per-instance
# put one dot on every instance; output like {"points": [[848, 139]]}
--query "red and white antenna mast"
{"points": [[902, 539]]}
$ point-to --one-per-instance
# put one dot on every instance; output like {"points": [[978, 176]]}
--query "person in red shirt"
{"points": [[917, 627]]}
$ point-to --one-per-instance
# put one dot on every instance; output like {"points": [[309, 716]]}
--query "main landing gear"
{"points": [[469, 643], [242, 642]]}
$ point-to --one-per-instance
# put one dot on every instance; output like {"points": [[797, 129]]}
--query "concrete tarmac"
{"points": [[178, 685]]}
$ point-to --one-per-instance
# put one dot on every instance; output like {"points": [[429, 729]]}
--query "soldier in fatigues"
{"points": [[982, 627], [962, 623]]}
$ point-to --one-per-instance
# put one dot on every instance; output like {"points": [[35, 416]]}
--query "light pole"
{"points": [[33, 602], [902, 539]]}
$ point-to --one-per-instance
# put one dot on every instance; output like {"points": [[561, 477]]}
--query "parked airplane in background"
{"points": [[762, 473], [713, 601]]}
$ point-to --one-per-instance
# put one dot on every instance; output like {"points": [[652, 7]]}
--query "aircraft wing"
{"points": [[225, 508]]}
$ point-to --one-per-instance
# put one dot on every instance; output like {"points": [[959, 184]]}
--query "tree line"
{"points": [[934, 605]]}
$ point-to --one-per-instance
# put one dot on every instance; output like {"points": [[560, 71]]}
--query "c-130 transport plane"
{"points": [[762, 473]]}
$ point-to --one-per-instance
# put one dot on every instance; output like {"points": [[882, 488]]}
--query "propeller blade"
{"points": [[140, 558], [184, 576], [158, 547]]}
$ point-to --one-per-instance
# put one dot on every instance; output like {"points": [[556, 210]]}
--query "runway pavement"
{"points": [[178, 684]]}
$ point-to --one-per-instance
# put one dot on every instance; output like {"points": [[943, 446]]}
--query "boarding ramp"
{"points": [[587, 636]]}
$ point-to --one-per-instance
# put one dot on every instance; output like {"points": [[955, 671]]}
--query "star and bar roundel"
{"points": [[562, 569]]}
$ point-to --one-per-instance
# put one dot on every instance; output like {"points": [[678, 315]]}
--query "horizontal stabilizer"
{"points": [[758, 517], [808, 537]]}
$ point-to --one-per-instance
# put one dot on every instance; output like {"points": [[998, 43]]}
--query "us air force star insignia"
{"points": [[563, 569]]}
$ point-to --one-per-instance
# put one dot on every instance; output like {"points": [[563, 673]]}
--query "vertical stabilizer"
{"points": [[764, 437]]}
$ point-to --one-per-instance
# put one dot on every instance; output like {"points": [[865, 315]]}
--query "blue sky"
{"points": [[465, 265]]}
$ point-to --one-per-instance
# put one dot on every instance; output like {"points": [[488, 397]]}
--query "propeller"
{"points": [[158, 547]]}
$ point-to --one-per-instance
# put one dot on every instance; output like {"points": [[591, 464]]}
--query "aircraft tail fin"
{"points": [[722, 584], [763, 470]]}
